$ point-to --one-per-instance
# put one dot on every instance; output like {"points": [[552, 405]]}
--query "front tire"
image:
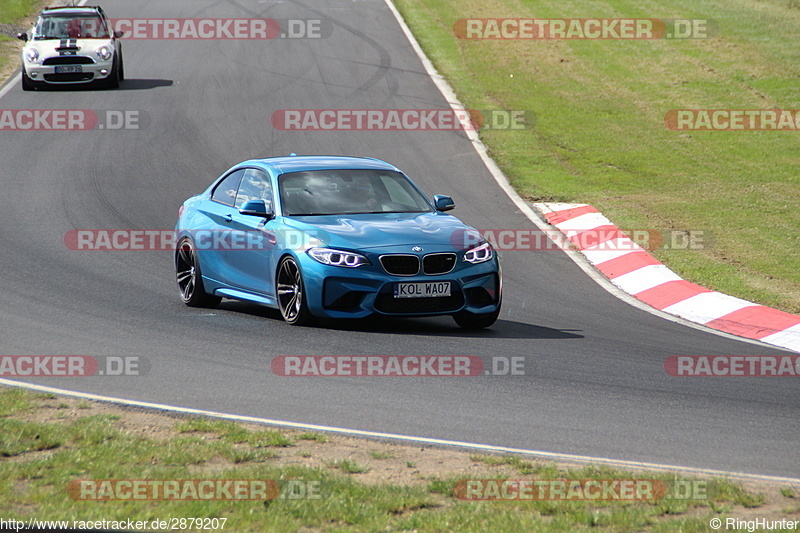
{"points": [[190, 280], [473, 321], [291, 293], [112, 82], [27, 83]]}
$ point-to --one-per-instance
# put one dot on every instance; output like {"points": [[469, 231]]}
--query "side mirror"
{"points": [[256, 208], [443, 203], [22, 36], [119, 34]]}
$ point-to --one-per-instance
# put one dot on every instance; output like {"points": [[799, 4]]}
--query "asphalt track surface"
{"points": [[594, 384]]}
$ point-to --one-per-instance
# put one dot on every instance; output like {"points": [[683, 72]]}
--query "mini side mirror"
{"points": [[443, 203], [119, 34], [22, 36], [256, 208]]}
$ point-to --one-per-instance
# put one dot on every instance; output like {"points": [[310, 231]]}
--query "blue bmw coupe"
{"points": [[335, 237]]}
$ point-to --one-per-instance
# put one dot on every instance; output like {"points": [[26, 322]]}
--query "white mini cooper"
{"points": [[71, 45]]}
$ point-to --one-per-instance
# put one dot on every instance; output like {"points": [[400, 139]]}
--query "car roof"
{"points": [[299, 163], [70, 10]]}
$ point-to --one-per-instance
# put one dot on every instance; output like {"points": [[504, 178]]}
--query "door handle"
{"points": [[228, 218]]}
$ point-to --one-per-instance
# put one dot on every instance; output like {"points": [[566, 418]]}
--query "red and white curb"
{"points": [[636, 272]]}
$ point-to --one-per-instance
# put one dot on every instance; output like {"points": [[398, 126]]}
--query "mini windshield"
{"points": [[340, 192], [71, 26]]}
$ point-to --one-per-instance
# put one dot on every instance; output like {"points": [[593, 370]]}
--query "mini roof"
{"points": [[72, 9]]}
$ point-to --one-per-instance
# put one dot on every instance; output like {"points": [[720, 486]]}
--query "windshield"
{"points": [[340, 192], [71, 26]]}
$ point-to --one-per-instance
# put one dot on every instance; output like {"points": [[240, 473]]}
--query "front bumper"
{"points": [[99, 70], [338, 292]]}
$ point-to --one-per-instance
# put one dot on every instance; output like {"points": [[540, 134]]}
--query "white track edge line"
{"points": [[13, 80], [404, 438], [502, 181]]}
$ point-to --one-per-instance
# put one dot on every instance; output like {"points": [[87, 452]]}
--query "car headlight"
{"points": [[104, 53], [479, 254], [31, 55], [327, 256]]}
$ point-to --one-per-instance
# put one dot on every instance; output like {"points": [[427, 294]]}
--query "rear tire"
{"points": [[190, 280], [468, 320]]}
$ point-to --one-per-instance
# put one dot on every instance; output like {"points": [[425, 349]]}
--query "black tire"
{"points": [[27, 83], [189, 278], [121, 66], [468, 320], [112, 82], [291, 293]]}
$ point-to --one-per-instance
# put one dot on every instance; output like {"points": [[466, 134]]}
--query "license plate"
{"points": [[66, 69], [424, 289]]}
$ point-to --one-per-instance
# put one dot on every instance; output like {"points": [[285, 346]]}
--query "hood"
{"points": [[67, 47], [371, 231]]}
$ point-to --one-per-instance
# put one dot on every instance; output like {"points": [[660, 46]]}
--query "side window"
{"points": [[225, 192], [255, 186]]}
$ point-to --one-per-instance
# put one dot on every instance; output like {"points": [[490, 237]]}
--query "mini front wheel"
{"points": [[27, 83], [112, 81]]}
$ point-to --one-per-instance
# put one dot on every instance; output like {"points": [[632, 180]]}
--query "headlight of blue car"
{"points": [[328, 256], [479, 254]]}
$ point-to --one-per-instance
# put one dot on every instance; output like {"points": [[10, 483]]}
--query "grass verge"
{"points": [[47, 442], [599, 135], [15, 16], [12, 11]]}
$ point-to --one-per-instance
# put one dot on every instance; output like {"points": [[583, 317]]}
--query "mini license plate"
{"points": [[67, 69], [423, 289]]}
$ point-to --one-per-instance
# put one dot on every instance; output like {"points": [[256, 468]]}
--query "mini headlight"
{"points": [[327, 256], [104, 53], [479, 254], [31, 55]]}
